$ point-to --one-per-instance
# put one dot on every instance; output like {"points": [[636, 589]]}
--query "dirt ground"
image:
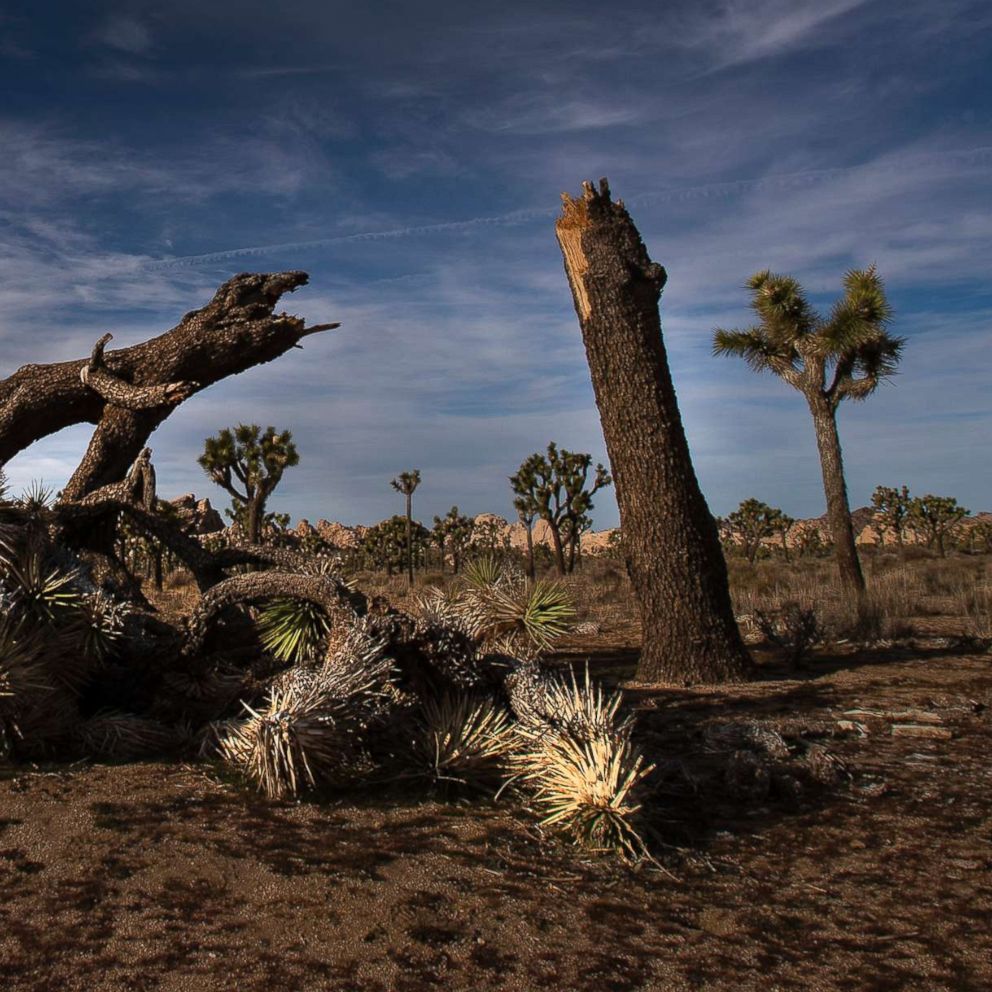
{"points": [[168, 877]]}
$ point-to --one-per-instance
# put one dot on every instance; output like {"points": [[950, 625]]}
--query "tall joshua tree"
{"points": [[256, 460], [828, 359], [670, 539], [406, 483]]}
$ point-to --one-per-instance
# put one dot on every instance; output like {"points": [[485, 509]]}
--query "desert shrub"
{"points": [[794, 628], [581, 768], [462, 739]]}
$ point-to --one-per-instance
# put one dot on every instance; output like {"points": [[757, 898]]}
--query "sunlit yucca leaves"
{"points": [[291, 745], [587, 789], [483, 571], [540, 612], [581, 767], [292, 629], [463, 739]]}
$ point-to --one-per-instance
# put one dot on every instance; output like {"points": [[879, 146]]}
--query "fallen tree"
{"points": [[127, 394]]}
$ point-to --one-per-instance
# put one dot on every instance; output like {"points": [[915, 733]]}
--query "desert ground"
{"points": [[870, 870]]}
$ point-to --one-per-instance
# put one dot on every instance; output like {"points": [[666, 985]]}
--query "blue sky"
{"points": [[410, 156]]}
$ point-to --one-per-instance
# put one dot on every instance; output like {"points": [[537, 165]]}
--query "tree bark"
{"points": [[835, 490], [559, 550], [338, 602], [128, 393], [530, 551], [253, 519], [670, 538]]}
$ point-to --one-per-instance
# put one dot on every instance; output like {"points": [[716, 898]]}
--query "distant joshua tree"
{"points": [[406, 483], [555, 485], [753, 521], [936, 517], [843, 356], [891, 508], [254, 458], [454, 532]]}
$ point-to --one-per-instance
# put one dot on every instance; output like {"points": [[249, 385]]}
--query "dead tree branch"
{"points": [[128, 393]]}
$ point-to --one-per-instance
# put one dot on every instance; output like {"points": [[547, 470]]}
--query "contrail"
{"points": [[790, 180]]}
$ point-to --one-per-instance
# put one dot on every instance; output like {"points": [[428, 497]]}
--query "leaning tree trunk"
{"points": [[128, 393], [670, 538], [835, 490]]}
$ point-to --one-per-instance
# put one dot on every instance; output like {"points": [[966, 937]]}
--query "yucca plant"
{"points": [[530, 615], [292, 629], [313, 727], [293, 744], [581, 767], [37, 589], [586, 788], [37, 497], [100, 625], [117, 735], [486, 570], [462, 739]]}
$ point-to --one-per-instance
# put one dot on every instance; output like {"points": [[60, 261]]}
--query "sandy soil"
{"points": [[166, 877]]}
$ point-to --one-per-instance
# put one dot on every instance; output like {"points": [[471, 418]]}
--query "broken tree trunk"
{"points": [[670, 539], [128, 393]]}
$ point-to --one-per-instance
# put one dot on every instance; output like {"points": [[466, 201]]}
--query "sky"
{"points": [[411, 156]]}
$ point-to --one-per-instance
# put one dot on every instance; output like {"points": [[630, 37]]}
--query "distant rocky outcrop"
{"points": [[197, 515]]}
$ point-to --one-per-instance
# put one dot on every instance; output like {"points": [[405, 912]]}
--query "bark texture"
{"points": [[328, 593], [835, 489], [128, 393], [670, 538]]}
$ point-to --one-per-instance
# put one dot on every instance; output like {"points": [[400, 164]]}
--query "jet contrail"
{"points": [[790, 180]]}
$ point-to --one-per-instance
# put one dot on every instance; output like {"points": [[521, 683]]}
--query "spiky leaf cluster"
{"points": [[844, 355]]}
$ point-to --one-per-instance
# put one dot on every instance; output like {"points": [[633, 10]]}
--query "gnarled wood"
{"points": [[128, 393], [328, 593], [670, 539]]}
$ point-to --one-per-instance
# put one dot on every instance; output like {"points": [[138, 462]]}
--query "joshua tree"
{"points": [[752, 522], [670, 540], [453, 530], [783, 524], [556, 486], [936, 517], [527, 513], [406, 483], [891, 510], [393, 543], [489, 536], [843, 356], [256, 460]]}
